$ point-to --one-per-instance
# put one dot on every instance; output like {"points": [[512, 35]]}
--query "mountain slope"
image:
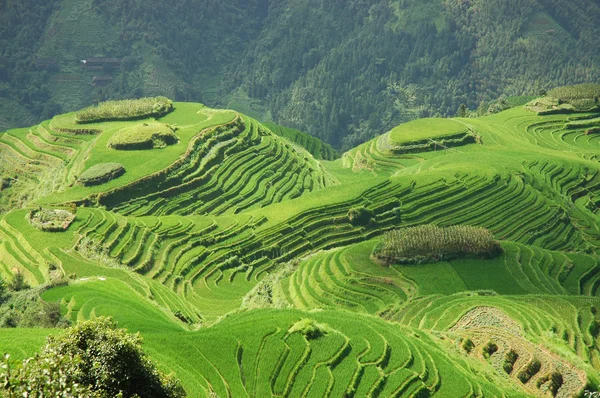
{"points": [[342, 71], [283, 296]]}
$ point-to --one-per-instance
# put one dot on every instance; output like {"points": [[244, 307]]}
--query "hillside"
{"points": [[248, 265], [293, 62]]}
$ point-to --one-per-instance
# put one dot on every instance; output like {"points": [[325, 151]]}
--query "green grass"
{"points": [[424, 129]]}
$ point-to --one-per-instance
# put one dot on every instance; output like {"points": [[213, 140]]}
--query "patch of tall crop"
{"points": [[125, 109], [430, 243]]}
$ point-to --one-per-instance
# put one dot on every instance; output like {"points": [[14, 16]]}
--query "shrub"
{"points": [[509, 361], [18, 283], [429, 243], [125, 109], [530, 370], [594, 328], [143, 136], [26, 308], [51, 220], [360, 215], [489, 349], [467, 345], [95, 359], [101, 173]]}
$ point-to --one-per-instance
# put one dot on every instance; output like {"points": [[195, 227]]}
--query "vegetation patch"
{"points": [[310, 328], [143, 136], [360, 215], [510, 358], [125, 110], [430, 243], [101, 173], [568, 99], [91, 359], [51, 220], [529, 371]]}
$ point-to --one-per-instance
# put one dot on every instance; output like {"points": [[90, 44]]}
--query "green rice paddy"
{"points": [[214, 247]]}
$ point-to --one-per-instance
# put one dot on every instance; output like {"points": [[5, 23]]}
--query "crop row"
{"points": [[227, 169]]}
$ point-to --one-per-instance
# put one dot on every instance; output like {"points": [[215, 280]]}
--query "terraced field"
{"points": [[222, 248]]}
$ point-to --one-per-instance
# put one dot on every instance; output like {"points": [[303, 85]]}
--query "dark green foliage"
{"points": [[510, 358], [530, 370], [45, 375], [430, 243], [594, 328], [360, 215], [99, 358], [392, 61], [22, 24], [388, 62], [489, 349], [18, 282], [467, 345], [101, 173], [26, 308]]}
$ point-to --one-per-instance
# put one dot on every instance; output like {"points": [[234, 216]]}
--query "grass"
{"points": [[240, 237], [101, 173], [424, 129]]}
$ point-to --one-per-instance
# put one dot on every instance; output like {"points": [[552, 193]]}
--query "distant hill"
{"points": [[342, 71]]}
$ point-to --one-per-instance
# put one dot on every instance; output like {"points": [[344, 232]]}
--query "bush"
{"points": [[530, 370], [101, 173], [143, 136], [509, 361], [125, 109], [18, 283], [360, 215], [430, 243], [489, 349], [468, 345], [92, 359], [25, 308]]}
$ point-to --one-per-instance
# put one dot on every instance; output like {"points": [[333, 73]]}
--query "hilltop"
{"points": [[243, 252], [341, 71]]}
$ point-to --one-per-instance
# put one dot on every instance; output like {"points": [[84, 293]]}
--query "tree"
{"points": [[18, 282], [92, 359], [462, 111]]}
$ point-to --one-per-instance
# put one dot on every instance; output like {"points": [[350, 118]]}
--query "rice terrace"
{"points": [[449, 257]]}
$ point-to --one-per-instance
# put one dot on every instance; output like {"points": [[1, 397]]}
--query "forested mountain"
{"points": [[341, 70]]}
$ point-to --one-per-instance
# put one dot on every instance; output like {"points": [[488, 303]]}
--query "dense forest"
{"points": [[341, 70]]}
